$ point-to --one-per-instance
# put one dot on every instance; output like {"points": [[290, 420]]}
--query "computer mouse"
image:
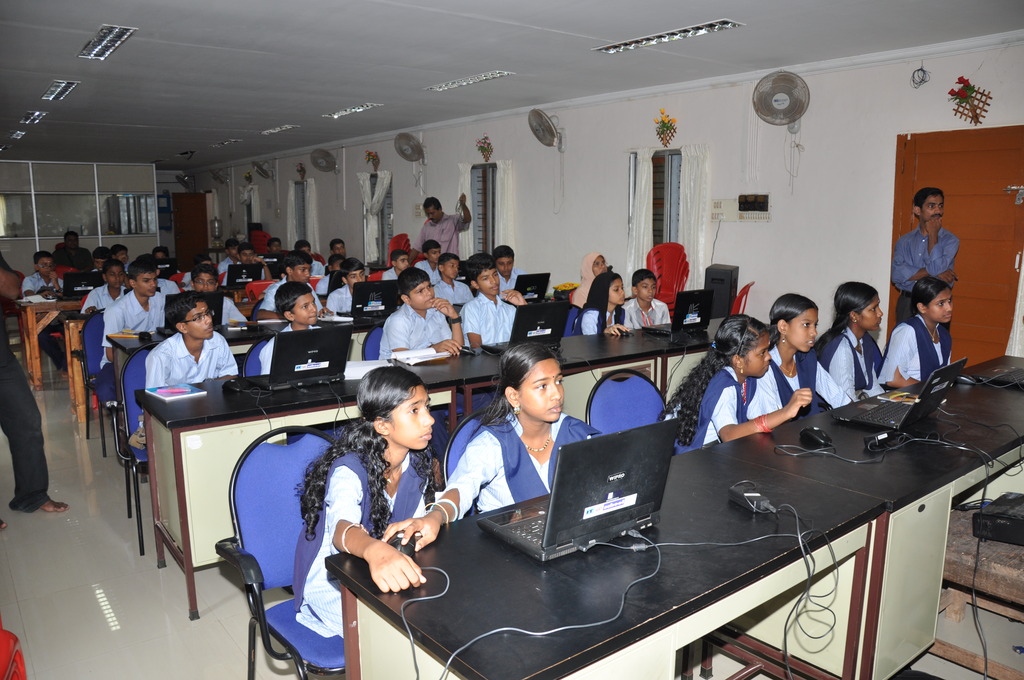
{"points": [[145, 336], [625, 334], [815, 437], [407, 549], [966, 380], [234, 385]]}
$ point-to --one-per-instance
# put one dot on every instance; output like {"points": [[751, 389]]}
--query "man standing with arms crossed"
{"points": [[928, 250]]}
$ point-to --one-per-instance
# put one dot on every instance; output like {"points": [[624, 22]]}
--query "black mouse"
{"points": [[235, 385], [815, 437], [145, 336], [407, 549]]}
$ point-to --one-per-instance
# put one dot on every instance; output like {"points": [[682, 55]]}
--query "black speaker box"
{"points": [[724, 280]]}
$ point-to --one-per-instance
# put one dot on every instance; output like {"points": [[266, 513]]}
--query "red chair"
{"points": [[671, 270], [254, 289], [258, 238], [12, 662], [63, 269], [319, 258], [376, 276], [400, 242], [178, 278], [739, 305], [313, 280], [10, 307]]}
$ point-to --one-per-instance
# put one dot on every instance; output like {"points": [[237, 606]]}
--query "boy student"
{"points": [[317, 268], [104, 296], [196, 353], [643, 309], [399, 263], [231, 255], [99, 256], [273, 245], [488, 317], [45, 282], [247, 255], [354, 271], [333, 265], [296, 266], [186, 281], [423, 320], [337, 247], [455, 292], [432, 251], [296, 304], [204, 280], [508, 272], [119, 251]]}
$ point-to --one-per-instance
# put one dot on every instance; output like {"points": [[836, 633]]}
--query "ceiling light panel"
{"points": [[4, 147], [471, 80], [60, 89], [225, 143], [106, 40], [669, 36], [279, 128], [15, 134], [32, 117], [352, 109]]}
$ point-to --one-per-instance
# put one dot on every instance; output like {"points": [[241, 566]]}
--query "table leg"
{"points": [[76, 382], [350, 617]]}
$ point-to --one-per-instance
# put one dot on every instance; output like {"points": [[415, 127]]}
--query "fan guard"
{"points": [[408, 147], [323, 160], [781, 98], [545, 129], [263, 169]]}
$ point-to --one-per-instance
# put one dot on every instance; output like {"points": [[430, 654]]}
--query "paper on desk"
{"points": [[337, 318], [32, 299], [355, 370], [418, 356]]}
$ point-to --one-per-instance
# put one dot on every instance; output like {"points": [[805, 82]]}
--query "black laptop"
{"points": [[79, 284], [884, 413], [1002, 374], [167, 267], [303, 358], [543, 322], [533, 286], [240, 274], [690, 318], [602, 487], [374, 299], [214, 301], [273, 262]]}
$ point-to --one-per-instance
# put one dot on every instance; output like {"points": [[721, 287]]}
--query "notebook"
{"points": [[533, 286], [214, 301], [602, 487], [310, 357], [881, 412], [542, 322], [167, 267], [690, 318], [374, 298], [79, 284], [240, 274]]}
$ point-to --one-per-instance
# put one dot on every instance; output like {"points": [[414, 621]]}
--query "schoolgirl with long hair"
{"points": [[603, 312], [847, 350], [920, 344]]}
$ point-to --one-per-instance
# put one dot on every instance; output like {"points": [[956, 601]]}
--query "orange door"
{"points": [[972, 167]]}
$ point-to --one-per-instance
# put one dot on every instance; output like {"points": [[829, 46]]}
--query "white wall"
{"points": [[833, 225]]}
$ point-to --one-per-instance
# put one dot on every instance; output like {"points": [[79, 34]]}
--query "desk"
{"points": [[34, 317]]}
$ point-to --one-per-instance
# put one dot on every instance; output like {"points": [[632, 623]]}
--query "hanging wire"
{"points": [[920, 77]]}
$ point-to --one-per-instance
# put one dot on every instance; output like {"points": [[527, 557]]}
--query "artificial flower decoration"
{"points": [[372, 158], [665, 128], [300, 168], [484, 146], [248, 176], [969, 101]]}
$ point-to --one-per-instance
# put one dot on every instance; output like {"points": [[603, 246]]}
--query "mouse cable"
{"points": [[1019, 463], [672, 544], [424, 598], [797, 451]]}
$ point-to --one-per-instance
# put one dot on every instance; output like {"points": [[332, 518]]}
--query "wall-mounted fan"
{"points": [[781, 98], [323, 160], [409, 148], [186, 181], [218, 176], [263, 169], [545, 129]]}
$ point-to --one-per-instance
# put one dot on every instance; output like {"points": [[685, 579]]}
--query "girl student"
{"points": [[794, 366], [847, 350], [921, 344], [603, 312], [378, 472], [593, 264], [711, 403]]}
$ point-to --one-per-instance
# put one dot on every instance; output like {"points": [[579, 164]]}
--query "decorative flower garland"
{"points": [[970, 102], [484, 146], [372, 158], [665, 128]]}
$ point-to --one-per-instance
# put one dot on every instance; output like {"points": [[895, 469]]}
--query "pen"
{"points": [[122, 335]]}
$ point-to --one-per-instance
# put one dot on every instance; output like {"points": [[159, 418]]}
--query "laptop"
{"points": [[883, 413], [690, 318], [543, 322], [1001, 375], [311, 357], [214, 301], [79, 284], [273, 262], [533, 286], [167, 267], [602, 487], [240, 274], [374, 298]]}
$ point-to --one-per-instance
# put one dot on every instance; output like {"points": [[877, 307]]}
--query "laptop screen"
{"points": [[533, 286], [693, 310], [167, 267], [79, 284], [374, 297], [543, 322], [309, 357], [241, 274]]}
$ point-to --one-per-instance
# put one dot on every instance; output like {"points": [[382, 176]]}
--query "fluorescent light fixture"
{"points": [[15, 134], [279, 128], [479, 78], [677, 34], [224, 143], [352, 109], [60, 89], [106, 40], [4, 147], [32, 117]]}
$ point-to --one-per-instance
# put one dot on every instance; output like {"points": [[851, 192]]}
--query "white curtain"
{"points": [[251, 196], [312, 216], [372, 203], [640, 235], [1015, 347], [290, 214], [505, 213], [467, 244], [694, 200]]}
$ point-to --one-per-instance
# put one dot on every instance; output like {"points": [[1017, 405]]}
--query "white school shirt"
{"points": [[170, 362], [458, 293], [127, 314], [901, 352], [100, 298], [406, 328], [492, 321], [510, 282], [723, 415], [340, 301], [270, 295], [766, 397], [841, 368], [636, 318], [434, 274]]}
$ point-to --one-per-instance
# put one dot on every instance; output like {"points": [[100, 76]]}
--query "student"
{"points": [[793, 329], [166, 286], [921, 344], [100, 254], [333, 265], [644, 309], [512, 458], [399, 263], [354, 271], [317, 267], [196, 353], [141, 309], [104, 296], [296, 304], [204, 280], [592, 265], [247, 255], [505, 260], [230, 256], [201, 258], [847, 350], [603, 312], [432, 252], [119, 251], [378, 472], [711, 402], [296, 266], [488, 317], [44, 281], [455, 292], [337, 247], [273, 245], [423, 320]]}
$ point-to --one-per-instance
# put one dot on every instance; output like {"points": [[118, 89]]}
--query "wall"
{"points": [[831, 224]]}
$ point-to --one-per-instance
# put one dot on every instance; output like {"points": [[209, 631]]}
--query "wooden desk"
{"points": [[34, 317]]}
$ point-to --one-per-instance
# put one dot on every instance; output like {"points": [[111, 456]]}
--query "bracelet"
{"points": [[434, 506], [762, 423], [455, 508], [344, 532]]}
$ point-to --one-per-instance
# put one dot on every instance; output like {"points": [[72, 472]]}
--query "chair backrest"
{"points": [[460, 438], [319, 258], [178, 278], [376, 276], [313, 280], [133, 377], [397, 242], [251, 363], [254, 289], [671, 270], [739, 305], [258, 238], [371, 344], [264, 502], [63, 269], [92, 343], [255, 310], [570, 322], [622, 400]]}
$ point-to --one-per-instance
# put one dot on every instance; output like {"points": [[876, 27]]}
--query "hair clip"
{"points": [[713, 345]]}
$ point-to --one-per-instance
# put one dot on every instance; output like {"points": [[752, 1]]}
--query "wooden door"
{"points": [[972, 167], [190, 228]]}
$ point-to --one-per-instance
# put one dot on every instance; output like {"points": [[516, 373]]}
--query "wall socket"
{"points": [[417, 210], [724, 210]]}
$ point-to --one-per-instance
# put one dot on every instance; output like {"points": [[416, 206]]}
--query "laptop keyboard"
{"points": [[888, 413], [1016, 375], [531, 530]]}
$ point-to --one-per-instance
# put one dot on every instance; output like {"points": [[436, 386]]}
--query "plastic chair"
{"points": [[671, 269], [570, 322], [267, 520], [319, 258], [371, 344], [313, 280], [63, 269], [178, 278], [622, 400], [376, 276], [90, 357], [258, 238], [251, 362], [10, 307], [461, 436], [136, 460], [254, 289], [739, 305], [12, 661], [256, 310]]}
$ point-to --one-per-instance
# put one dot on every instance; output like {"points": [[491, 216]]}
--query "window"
{"points": [[127, 214], [16, 216], [483, 205], [300, 210], [385, 220], [665, 189]]}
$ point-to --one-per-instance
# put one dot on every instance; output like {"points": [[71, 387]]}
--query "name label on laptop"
{"points": [[538, 331], [312, 365], [610, 505]]}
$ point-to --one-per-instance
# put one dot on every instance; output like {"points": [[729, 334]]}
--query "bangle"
{"points": [[762, 423], [455, 508], [434, 506], [454, 320], [343, 533]]}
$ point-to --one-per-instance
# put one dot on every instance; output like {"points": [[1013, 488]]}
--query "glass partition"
{"points": [[16, 218], [128, 214], [56, 213]]}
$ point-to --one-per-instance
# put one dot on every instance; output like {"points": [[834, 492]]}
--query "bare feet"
{"points": [[3, 525], [53, 506]]}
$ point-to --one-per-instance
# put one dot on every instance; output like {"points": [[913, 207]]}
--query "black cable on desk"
{"points": [[798, 451]]}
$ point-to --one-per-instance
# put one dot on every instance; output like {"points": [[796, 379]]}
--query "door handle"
{"points": [[1016, 261]]}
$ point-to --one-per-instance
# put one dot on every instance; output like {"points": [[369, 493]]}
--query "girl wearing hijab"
{"points": [[592, 265]]}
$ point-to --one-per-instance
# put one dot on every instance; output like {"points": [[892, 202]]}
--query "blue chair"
{"points": [[371, 345], [268, 521], [622, 400], [256, 310], [251, 362], [464, 432], [135, 460], [89, 358], [570, 322]]}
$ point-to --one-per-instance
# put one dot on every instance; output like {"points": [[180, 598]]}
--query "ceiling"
{"points": [[197, 73]]}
